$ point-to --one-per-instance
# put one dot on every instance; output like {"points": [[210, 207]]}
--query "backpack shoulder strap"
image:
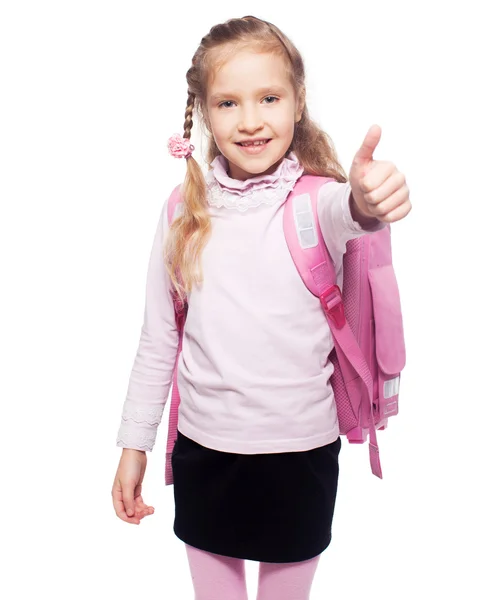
{"points": [[303, 235]]}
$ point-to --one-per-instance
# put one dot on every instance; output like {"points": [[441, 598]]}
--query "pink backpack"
{"points": [[365, 319]]}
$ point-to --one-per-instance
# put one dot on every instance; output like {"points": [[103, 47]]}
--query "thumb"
{"points": [[128, 498], [365, 154]]}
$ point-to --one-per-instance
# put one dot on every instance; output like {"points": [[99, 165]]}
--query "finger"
{"points": [[372, 138], [141, 505], [394, 182], [139, 501], [389, 204], [378, 173], [128, 489], [143, 510], [145, 513], [398, 213], [120, 508], [122, 513]]}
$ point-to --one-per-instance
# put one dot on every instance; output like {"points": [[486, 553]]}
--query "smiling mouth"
{"points": [[251, 144]]}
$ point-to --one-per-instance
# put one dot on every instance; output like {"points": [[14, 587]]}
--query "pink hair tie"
{"points": [[180, 147]]}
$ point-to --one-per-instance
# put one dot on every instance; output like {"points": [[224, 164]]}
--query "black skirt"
{"points": [[264, 507]]}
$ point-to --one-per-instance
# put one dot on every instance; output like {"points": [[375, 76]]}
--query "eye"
{"points": [[271, 98], [221, 105]]}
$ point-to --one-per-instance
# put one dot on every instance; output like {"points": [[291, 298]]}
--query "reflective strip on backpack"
{"points": [[304, 221], [391, 387]]}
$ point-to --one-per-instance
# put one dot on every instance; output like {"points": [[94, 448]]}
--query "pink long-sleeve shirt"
{"points": [[254, 371]]}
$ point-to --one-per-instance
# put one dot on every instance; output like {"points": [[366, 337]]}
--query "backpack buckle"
{"points": [[332, 304]]}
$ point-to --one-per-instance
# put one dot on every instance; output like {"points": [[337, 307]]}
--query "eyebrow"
{"points": [[265, 90]]}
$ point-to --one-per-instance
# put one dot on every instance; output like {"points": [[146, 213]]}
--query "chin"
{"points": [[257, 164], [257, 167]]}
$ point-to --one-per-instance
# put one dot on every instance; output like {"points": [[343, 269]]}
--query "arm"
{"points": [[339, 220], [154, 362]]}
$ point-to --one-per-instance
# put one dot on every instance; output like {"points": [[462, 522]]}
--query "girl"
{"points": [[255, 463]]}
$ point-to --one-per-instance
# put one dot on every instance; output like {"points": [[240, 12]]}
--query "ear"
{"points": [[301, 101]]}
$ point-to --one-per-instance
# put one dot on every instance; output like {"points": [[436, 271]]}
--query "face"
{"points": [[250, 99]]}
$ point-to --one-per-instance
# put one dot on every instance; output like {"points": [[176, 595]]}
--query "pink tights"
{"points": [[217, 577]]}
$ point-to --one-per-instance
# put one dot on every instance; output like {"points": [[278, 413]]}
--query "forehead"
{"points": [[246, 70]]}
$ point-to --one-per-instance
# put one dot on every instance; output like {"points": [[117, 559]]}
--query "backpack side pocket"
{"points": [[390, 348]]}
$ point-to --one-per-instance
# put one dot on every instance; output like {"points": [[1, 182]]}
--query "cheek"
{"points": [[285, 125], [284, 120], [220, 126]]}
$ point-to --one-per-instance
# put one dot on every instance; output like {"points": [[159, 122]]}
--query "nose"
{"points": [[250, 120]]}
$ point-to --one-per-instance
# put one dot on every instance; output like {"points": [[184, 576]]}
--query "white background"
{"points": [[91, 91]]}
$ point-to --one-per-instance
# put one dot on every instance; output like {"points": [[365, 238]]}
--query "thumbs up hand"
{"points": [[378, 189]]}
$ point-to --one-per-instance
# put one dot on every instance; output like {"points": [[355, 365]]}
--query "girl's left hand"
{"points": [[378, 188]]}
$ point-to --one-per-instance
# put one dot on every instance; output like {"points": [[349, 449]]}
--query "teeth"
{"points": [[253, 143]]}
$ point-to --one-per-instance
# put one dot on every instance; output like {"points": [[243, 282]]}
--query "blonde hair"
{"points": [[313, 147]]}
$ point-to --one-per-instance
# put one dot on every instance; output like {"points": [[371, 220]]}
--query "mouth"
{"points": [[254, 143]]}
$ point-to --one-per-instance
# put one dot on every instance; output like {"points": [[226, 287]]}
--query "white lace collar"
{"points": [[223, 191]]}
